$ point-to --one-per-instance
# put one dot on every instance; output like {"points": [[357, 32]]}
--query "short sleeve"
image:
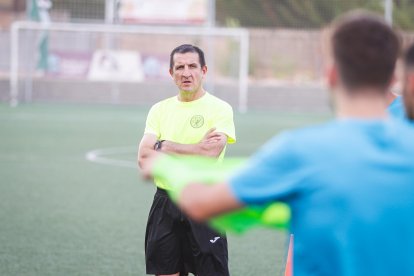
{"points": [[224, 123], [273, 174], [152, 125]]}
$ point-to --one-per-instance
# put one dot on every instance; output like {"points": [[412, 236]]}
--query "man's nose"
{"points": [[186, 72]]}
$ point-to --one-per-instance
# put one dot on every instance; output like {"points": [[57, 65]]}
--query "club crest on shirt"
{"points": [[197, 121]]}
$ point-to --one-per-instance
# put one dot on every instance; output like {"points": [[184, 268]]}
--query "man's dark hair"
{"points": [[365, 50], [187, 48]]}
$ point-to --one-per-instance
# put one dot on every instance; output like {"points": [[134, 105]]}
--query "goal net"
{"points": [[119, 64]]}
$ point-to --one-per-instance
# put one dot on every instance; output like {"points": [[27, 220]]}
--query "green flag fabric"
{"points": [[34, 11], [43, 62], [43, 44], [179, 171], [275, 215]]}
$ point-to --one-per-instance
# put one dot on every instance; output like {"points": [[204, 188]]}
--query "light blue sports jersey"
{"points": [[350, 186], [396, 108]]}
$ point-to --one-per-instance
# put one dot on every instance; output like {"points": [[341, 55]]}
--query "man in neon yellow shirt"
{"points": [[193, 122]]}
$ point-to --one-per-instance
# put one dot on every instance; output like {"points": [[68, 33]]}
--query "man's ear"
{"points": [[393, 80], [171, 72], [204, 70], [410, 85], [408, 91], [332, 76], [408, 94], [393, 86]]}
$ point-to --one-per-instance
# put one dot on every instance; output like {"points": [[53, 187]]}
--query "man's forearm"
{"points": [[143, 155], [201, 201], [204, 149]]}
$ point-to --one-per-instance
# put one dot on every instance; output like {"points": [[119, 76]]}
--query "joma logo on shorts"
{"points": [[214, 240]]}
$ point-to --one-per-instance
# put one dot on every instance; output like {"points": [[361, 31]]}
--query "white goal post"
{"points": [[23, 31]]}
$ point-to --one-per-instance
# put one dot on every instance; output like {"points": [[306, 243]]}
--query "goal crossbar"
{"points": [[237, 33]]}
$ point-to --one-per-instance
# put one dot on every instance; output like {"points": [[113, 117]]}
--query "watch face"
{"points": [[158, 144]]}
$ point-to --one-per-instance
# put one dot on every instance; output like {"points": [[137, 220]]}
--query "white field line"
{"points": [[103, 156]]}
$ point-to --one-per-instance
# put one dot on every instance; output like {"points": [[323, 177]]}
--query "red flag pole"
{"points": [[289, 259]]}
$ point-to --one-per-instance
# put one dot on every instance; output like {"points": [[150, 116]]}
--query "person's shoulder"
{"points": [[167, 101], [315, 132], [311, 139], [339, 133], [401, 133], [217, 102], [405, 125], [302, 137], [164, 102]]}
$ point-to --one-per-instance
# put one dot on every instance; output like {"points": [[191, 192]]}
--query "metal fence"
{"points": [[286, 49], [250, 13]]}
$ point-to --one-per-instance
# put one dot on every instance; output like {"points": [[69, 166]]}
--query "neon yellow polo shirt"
{"points": [[188, 122]]}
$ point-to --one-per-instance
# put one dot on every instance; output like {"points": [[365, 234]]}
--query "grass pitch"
{"points": [[61, 214]]}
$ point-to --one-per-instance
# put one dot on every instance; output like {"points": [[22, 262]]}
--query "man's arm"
{"points": [[211, 145], [195, 199], [146, 148], [201, 202]]}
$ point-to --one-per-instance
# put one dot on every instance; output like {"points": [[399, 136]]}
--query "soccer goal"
{"points": [[126, 64]]}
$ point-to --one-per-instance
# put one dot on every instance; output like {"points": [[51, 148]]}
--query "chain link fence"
{"points": [[78, 10], [296, 14], [286, 45], [284, 34]]}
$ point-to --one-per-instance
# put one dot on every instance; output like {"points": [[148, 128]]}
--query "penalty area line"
{"points": [[105, 156]]}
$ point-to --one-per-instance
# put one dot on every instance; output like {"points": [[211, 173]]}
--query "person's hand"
{"points": [[211, 137]]}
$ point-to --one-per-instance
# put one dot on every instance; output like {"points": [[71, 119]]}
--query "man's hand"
{"points": [[212, 137], [212, 143]]}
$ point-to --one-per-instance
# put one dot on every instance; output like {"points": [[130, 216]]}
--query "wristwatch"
{"points": [[158, 145]]}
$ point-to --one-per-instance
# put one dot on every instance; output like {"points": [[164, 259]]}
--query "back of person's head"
{"points": [[187, 48], [365, 49]]}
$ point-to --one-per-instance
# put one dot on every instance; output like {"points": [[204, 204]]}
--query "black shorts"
{"points": [[174, 243]]}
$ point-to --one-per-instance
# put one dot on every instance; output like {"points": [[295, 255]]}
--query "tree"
{"points": [[304, 14]]}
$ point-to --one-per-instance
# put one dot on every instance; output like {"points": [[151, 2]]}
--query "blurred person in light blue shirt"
{"points": [[349, 182]]}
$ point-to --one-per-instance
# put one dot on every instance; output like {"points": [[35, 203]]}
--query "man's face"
{"points": [[187, 72], [408, 93]]}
